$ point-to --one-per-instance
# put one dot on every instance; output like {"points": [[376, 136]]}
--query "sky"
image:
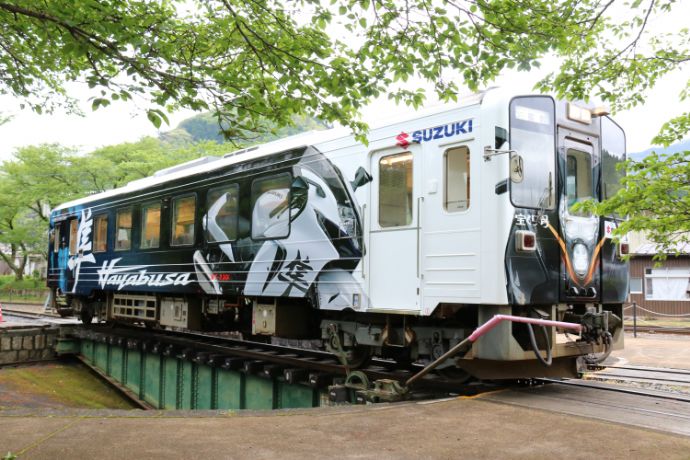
{"points": [[127, 122]]}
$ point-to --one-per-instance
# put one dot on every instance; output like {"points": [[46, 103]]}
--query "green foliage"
{"points": [[10, 283], [40, 177], [623, 59], [655, 194], [255, 65]]}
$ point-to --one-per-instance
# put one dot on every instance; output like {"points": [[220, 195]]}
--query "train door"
{"points": [[450, 244], [393, 263], [579, 160], [64, 246]]}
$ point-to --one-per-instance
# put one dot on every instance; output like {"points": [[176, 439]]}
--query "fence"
{"points": [[646, 317]]}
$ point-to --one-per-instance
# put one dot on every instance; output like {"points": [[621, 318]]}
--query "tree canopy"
{"points": [[40, 177], [256, 65]]}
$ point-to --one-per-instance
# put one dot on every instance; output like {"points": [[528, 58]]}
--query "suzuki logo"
{"points": [[402, 139]]}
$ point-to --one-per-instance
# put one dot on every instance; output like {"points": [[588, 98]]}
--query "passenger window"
{"points": [[183, 221], [578, 181], [150, 226], [271, 207], [457, 190], [123, 230], [56, 242], [395, 190], [221, 213], [100, 234], [73, 235]]}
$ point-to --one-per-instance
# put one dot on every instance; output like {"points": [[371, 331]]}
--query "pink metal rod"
{"points": [[493, 322], [483, 329]]}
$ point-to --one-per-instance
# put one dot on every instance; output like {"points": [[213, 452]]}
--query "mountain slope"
{"points": [[204, 127], [678, 147]]}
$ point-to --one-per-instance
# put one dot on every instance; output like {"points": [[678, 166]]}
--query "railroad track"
{"points": [[52, 319], [660, 330], [662, 383], [673, 380], [619, 389], [663, 411]]}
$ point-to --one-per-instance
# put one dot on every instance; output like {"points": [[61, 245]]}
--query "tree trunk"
{"points": [[18, 269]]}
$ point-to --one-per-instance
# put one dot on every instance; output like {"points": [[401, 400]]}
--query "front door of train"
{"points": [[394, 232], [579, 164]]}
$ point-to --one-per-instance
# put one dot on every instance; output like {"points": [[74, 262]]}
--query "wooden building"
{"points": [[660, 288]]}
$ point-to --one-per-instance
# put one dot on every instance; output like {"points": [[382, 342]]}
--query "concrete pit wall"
{"points": [[27, 344]]}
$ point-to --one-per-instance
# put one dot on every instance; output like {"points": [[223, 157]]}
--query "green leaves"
{"points": [[655, 195], [156, 117], [255, 61]]}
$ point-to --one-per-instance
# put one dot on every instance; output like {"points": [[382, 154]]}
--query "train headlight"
{"points": [[581, 114], [525, 241], [580, 259]]}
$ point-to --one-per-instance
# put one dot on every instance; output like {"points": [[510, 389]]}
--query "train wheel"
{"points": [[358, 356], [86, 315], [353, 356]]}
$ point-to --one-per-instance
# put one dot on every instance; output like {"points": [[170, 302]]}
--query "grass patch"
{"points": [[58, 385], [8, 282]]}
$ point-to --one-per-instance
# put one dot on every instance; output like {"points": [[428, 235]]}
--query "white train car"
{"points": [[399, 247]]}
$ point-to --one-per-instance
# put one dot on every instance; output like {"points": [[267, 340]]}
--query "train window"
{"points": [[395, 190], [612, 155], [578, 181], [271, 207], [73, 236], [457, 190], [100, 234], [56, 241], [183, 221], [151, 226], [221, 213], [532, 136], [123, 230]]}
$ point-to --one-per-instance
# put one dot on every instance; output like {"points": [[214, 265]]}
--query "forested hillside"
{"points": [[205, 127]]}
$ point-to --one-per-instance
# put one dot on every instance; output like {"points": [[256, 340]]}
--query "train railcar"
{"points": [[398, 248]]}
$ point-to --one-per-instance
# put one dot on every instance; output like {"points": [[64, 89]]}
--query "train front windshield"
{"points": [[532, 137], [533, 163]]}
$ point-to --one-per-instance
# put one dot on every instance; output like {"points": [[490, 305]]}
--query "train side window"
{"points": [[100, 233], [56, 241], [183, 221], [271, 207], [151, 226], [123, 230], [221, 213], [73, 236], [395, 190], [457, 189]]}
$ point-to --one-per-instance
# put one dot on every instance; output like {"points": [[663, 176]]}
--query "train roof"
{"points": [[302, 140]]}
